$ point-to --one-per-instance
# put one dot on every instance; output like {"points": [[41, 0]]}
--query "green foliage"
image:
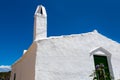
{"points": [[100, 74], [5, 75]]}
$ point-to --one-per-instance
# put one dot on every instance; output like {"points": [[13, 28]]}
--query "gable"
{"points": [[83, 42]]}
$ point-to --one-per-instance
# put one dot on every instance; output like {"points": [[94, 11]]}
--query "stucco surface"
{"points": [[40, 23], [24, 68], [69, 58]]}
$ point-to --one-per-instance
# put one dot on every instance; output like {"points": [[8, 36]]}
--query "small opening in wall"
{"points": [[41, 11], [14, 76], [101, 68]]}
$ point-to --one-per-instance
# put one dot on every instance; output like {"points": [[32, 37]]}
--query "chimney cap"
{"points": [[41, 11]]}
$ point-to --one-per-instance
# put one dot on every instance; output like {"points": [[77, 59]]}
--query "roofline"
{"points": [[24, 55], [71, 35], [57, 37]]}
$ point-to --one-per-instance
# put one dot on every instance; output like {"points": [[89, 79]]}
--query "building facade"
{"points": [[85, 56]]}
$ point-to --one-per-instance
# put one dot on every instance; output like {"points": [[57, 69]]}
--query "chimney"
{"points": [[40, 23]]}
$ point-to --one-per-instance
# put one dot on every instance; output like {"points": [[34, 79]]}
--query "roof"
{"points": [[87, 35]]}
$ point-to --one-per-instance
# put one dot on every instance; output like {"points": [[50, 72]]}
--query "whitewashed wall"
{"points": [[24, 68], [69, 57], [66, 58]]}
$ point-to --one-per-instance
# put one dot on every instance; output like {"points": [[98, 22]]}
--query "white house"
{"points": [[71, 57]]}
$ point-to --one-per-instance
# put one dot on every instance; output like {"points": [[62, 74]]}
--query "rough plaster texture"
{"points": [[40, 23], [70, 57], [64, 57], [67, 58]]}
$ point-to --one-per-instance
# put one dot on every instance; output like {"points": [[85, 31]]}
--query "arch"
{"points": [[103, 52], [41, 11]]}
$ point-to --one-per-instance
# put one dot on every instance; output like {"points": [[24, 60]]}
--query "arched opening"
{"points": [[102, 57], [41, 11]]}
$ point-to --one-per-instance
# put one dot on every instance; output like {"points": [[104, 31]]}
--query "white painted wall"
{"points": [[68, 57], [40, 23], [25, 67], [64, 58]]}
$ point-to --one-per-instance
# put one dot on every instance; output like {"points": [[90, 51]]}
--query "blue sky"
{"points": [[64, 17]]}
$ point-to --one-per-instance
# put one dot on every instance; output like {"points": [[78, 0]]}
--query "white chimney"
{"points": [[40, 23]]}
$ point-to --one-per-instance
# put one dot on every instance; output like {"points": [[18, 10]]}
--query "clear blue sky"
{"points": [[64, 17]]}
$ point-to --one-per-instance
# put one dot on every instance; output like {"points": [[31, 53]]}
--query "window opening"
{"points": [[101, 68], [14, 76], [41, 11]]}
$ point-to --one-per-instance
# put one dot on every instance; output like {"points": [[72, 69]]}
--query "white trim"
{"points": [[104, 53]]}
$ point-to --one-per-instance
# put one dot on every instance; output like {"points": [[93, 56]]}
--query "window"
{"points": [[101, 68], [14, 76]]}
